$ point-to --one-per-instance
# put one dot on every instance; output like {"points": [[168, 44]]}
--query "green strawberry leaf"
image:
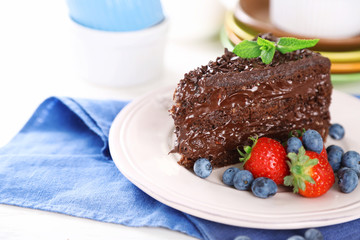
{"points": [[297, 133], [289, 180], [309, 179], [301, 184], [240, 152], [301, 155], [247, 149], [311, 163], [289, 44], [247, 49], [299, 170], [292, 156]]}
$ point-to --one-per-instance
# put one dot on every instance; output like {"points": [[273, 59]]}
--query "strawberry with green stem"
{"points": [[265, 158], [311, 174]]}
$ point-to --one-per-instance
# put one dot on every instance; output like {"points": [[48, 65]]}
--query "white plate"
{"points": [[141, 137]]}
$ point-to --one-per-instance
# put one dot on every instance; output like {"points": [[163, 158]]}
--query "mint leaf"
{"points": [[266, 44], [267, 55], [247, 49], [265, 49], [289, 44]]}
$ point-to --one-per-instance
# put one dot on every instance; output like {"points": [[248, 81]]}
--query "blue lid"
{"points": [[116, 15]]}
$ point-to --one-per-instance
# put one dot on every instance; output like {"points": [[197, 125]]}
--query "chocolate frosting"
{"points": [[220, 105]]}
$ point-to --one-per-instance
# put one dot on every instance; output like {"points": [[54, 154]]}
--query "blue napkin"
{"points": [[60, 162]]}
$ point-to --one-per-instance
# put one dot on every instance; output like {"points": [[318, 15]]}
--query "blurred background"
{"points": [[102, 42], [121, 49]]}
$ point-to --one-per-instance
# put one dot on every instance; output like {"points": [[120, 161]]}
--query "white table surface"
{"points": [[36, 62]]}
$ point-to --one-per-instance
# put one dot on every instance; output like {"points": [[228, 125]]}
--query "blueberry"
{"points": [[331, 147], [313, 141], [351, 159], [243, 180], [202, 167], [263, 187], [293, 145], [296, 237], [336, 131], [334, 157], [228, 175], [242, 238], [341, 170], [348, 180], [313, 234]]}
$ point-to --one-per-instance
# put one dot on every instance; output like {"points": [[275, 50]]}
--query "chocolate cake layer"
{"points": [[220, 105]]}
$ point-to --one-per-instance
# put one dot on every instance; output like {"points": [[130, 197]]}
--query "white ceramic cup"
{"points": [[119, 59], [194, 20], [317, 18]]}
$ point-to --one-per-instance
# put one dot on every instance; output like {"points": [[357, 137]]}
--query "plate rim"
{"points": [[116, 153]]}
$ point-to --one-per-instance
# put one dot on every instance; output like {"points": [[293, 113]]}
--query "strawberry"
{"points": [[324, 153], [266, 158], [311, 174]]}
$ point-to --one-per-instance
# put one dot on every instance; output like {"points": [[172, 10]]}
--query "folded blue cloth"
{"points": [[60, 162]]}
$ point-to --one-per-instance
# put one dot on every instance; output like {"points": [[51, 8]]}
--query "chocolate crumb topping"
{"points": [[220, 105]]}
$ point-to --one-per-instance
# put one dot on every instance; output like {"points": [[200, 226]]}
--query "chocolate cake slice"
{"points": [[217, 107]]}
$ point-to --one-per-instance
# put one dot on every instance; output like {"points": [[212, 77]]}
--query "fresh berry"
{"points": [[334, 158], [324, 152], [242, 238], [293, 145], [311, 174], [351, 159], [243, 180], [336, 131], [313, 234], [341, 170], [348, 180], [202, 167], [313, 141], [296, 237], [263, 187], [266, 158], [228, 176], [331, 147]]}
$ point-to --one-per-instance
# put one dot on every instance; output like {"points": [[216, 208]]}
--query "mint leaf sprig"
{"points": [[265, 49]]}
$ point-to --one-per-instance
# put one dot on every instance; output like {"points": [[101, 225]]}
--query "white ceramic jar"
{"points": [[120, 59], [317, 18]]}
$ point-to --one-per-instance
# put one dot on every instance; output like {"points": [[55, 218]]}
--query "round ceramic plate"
{"points": [[141, 137], [345, 67], [343, 57], [348, 77], [255, 15]]}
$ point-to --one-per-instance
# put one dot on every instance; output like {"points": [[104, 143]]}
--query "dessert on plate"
{"points": [[217, 107]]}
